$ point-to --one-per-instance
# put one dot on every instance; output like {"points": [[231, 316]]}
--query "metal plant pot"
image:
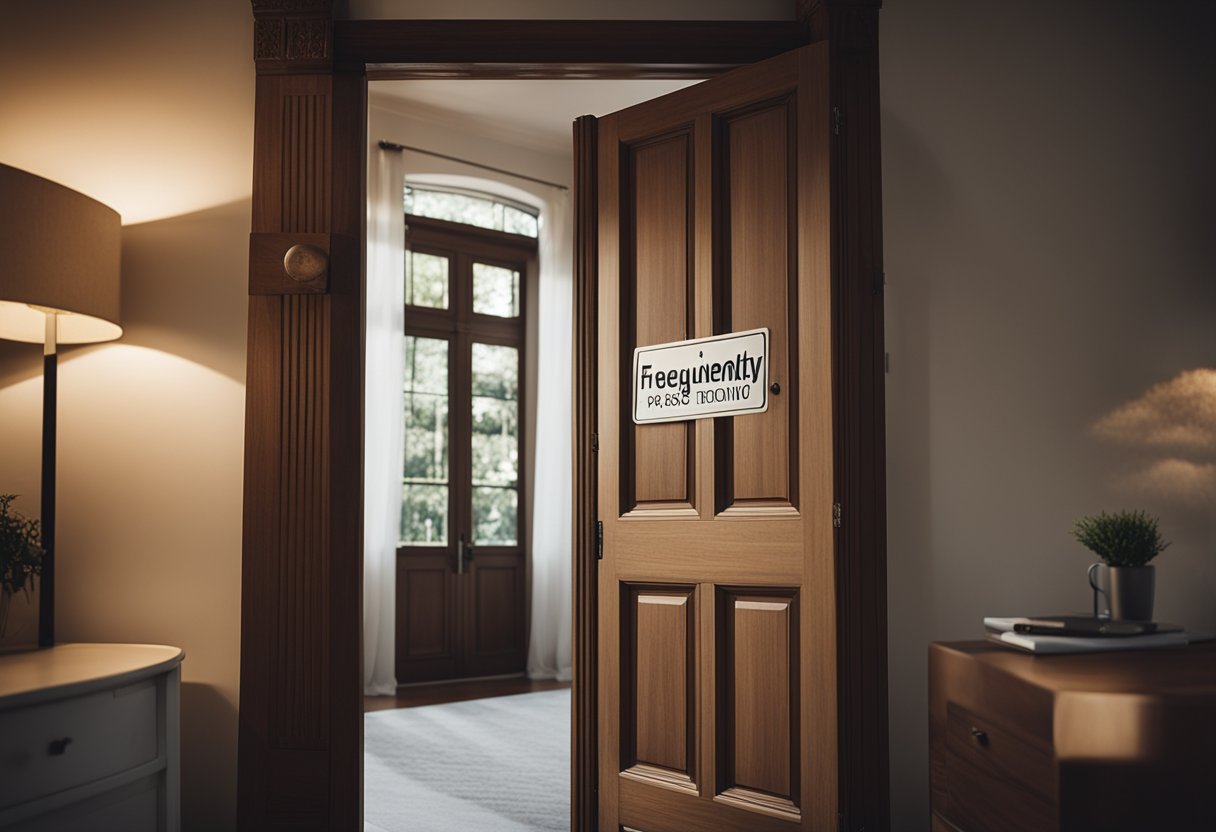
{"points": [[1128, 593], [1131, 593]]}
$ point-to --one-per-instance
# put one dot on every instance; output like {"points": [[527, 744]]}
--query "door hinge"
{"points": [[836, 515], [599, 539], [595, 443], [836, 121], [880, 282]]}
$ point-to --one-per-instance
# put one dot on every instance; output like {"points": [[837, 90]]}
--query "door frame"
{"points": [[301, 727]]}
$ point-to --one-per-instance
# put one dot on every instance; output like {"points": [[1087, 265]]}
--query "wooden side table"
{"points": [[1094, 742], [89, 738]]}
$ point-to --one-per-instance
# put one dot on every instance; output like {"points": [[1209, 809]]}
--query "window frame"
{"points": [[465, 245]]}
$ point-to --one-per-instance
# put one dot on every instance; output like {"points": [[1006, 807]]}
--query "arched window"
{"points": [[472, 208]]}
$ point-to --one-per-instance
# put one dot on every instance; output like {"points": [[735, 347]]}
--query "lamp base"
{"points": [[46, 583]]}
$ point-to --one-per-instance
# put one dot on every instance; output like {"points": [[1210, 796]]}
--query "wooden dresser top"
{"points": [[1183, 670], [71, 669]]}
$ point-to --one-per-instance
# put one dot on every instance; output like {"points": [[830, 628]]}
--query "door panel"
{"points": [[659, 728], [757, 287], [495, 614], [657, 218], [426, 595], [717, 661], [758, 699]]}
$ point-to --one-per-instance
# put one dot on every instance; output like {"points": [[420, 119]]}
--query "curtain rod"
{"points": [[386, 145]]}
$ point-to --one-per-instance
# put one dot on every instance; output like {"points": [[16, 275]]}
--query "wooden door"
{"points": [[717, 620], [461, 590]]}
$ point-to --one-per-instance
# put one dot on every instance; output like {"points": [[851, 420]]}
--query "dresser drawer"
{"points": [[108, 732], [135, 807], [995, 781]]}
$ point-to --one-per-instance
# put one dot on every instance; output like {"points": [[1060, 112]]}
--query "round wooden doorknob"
{"points": [[305, 263]]}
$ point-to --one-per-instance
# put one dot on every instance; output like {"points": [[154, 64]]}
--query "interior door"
{"points": [[717, 643]]}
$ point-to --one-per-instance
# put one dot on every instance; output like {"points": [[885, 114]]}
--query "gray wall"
{"points": [[1048, 214]]}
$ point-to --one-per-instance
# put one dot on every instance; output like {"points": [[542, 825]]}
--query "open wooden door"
{"points": [[717, 617]]}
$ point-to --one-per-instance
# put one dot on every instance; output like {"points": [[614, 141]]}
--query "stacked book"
{"points": [[1082, 634]]}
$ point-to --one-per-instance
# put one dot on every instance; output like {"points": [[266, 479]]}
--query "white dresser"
{"points": [[89, 739]]}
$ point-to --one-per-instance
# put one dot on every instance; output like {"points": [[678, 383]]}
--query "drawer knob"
{"points": [[980, 736], [57, 747]]}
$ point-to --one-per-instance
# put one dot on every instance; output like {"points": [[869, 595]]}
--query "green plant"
{"points": [[20, 555], [1125, 538]]}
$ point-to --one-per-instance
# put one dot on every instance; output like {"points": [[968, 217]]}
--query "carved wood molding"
{"points": [[292, 35], [561, 48], [301, 581], [859, 432], [851, 25]]}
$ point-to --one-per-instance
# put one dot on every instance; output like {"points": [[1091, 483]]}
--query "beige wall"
{"points": [[150, 110], [1048, 214]]}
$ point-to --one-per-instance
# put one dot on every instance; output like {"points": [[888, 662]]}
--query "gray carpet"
{"points": [[489, 765]]}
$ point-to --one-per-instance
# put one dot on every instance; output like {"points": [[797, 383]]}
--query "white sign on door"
{"points": [[720, 376]]}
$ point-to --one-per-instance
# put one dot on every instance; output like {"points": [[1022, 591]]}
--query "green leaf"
{"points": [[1124, 538]]}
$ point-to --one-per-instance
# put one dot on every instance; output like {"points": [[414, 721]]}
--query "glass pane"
{"points": [[516, 221], [494, 513], [424, 509], [495, 441], [495, 291], [483, 212], [424, 515], [495, 444], [426, 280], [495, 371]]}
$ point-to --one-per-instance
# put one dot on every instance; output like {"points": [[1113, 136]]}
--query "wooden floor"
{"points": [[439, 692]]}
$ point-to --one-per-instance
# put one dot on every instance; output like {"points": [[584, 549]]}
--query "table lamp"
{"points": [[59, 284]]}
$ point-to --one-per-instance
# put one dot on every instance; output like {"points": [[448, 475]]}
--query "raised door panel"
{"points": [[656, 190], [757, 287], [758, 684], [494, 615], [427, 647], [659, 683]]}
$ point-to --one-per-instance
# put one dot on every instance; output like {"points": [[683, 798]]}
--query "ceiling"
{"points": [[522, 112]]}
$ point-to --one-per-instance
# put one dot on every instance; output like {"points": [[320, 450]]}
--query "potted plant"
{"points": [[20, 555], [1125, 541]]}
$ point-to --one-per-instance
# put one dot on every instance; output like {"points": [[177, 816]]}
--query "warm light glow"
{"points": [[27, 322], [1179, 413], [1192, 484], [147, 108], [1178, 416], [141, 182], [1105, 726]]}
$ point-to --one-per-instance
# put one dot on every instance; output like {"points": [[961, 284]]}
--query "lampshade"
{"points": [[59, 252]]}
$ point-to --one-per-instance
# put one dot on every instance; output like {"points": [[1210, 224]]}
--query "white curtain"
{"points": [[384, 408], [549, 650]]}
